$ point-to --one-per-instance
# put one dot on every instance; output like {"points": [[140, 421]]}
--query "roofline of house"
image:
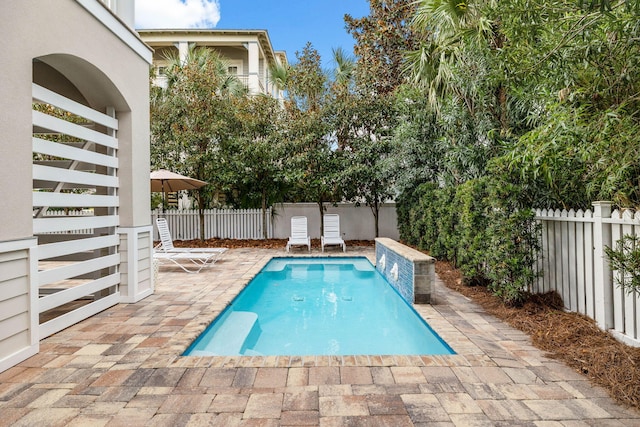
{"points": [[263, 36]]}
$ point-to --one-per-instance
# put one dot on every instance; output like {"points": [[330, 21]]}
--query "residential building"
{"points": [[74, 120], [249, 53]]}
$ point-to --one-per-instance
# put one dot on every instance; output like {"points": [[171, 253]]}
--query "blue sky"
{"points": [[290, 23]]}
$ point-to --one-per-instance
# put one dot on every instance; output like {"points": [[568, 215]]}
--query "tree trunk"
{"points": [[265, 235], [375, 209], [201, 216], [321, 206]]}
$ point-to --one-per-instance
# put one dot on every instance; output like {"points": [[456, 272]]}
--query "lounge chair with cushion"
{"points": [[331, 232], [299, 234], [194, 258]]}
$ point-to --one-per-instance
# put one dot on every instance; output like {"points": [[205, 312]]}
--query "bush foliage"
{"points": [[486, 235]]}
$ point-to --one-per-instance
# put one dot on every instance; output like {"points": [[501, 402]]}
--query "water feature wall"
{"points": [[409, 271]]}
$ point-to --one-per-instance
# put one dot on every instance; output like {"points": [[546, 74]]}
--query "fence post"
{"points": [[603, 279]]}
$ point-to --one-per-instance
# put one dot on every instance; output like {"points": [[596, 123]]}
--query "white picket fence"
{"points": [[218, 223], [573, 263]]}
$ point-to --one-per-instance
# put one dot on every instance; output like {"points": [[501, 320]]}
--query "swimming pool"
{"points": [[318, 306]]}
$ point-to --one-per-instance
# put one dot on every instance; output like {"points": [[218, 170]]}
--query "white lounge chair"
{"points": [[331, 232], [195, 258], [191, 262], [299, 234]]}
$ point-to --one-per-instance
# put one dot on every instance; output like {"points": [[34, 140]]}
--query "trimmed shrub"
{"points": [[480, 227], [473, 208]]}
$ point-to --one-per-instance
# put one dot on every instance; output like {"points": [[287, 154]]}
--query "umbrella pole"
{"points": [[163, 198]]}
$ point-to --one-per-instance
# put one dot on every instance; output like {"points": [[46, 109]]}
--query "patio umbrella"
{"points": [[164, 181]]}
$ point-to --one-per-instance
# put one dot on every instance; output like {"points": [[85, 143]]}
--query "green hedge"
{"points": [[480, 228]]}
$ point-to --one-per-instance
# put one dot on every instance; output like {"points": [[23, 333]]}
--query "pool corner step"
{"points": [[235, 334]]}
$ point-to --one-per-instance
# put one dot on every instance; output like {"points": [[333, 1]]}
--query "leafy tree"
{"points": [[258, 155], [575, 61], [193, 120], [306, 82], [416, 152], [363, 101], [382, 37], [279, 75], [365, 123], [315, 163]]}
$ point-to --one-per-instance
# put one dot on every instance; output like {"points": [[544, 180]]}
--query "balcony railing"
{"points": [[244, 79], [161, 80]]}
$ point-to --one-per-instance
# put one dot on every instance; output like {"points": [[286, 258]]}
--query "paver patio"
{"points": [[123, 367]]}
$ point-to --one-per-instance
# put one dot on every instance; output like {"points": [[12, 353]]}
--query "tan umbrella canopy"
{"points": [[164, 181]]}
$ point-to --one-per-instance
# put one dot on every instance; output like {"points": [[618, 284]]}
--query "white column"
{"points": [[603, 279], [254, 67], [183, 50], [137, 278], [19, 326], [125, 9]]}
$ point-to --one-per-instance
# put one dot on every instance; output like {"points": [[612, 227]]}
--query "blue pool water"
{"points": [[318, 306]]}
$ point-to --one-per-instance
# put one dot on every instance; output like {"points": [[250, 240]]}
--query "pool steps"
{"points": [[235, 336], [357, 263]]}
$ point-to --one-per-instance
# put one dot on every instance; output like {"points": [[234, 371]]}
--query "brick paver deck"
{"points": [[123, 367]]}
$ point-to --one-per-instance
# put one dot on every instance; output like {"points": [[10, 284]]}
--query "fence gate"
{"points": [[75, 209]]}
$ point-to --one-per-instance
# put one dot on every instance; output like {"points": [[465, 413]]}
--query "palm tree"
{"points": [[451, 25], [206, 62], [279, 76], [345, 66]]}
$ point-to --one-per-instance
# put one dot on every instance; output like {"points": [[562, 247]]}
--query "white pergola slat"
{"points": [[75, 316], [64, 127], [71, 200], [54, 275], [91, 163], [48, 173], [45, 95], [71, 294], [73, 153], [52, 250], [48, 225]]}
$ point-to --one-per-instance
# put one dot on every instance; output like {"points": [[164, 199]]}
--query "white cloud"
{"points": [[159, 14]]}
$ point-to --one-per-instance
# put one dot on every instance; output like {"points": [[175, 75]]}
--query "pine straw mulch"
{"points": [[569, 337], [572, 338], [262, 244]]}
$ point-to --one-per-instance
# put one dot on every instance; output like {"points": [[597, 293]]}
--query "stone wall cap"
{"points": [[404, 250]]}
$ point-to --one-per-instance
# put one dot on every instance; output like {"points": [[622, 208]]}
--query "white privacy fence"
{"points": [[356, 222], [218, 223], [574, 264]]}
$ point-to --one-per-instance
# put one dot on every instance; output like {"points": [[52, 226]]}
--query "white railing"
{"points": [[218, 223], [573, 263]]}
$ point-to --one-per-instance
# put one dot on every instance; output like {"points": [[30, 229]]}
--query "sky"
{"points": [[290, 23]]}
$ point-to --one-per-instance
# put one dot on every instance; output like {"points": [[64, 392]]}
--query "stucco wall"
{"points": [[83, 52], [356, 223], [63, 35]]}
